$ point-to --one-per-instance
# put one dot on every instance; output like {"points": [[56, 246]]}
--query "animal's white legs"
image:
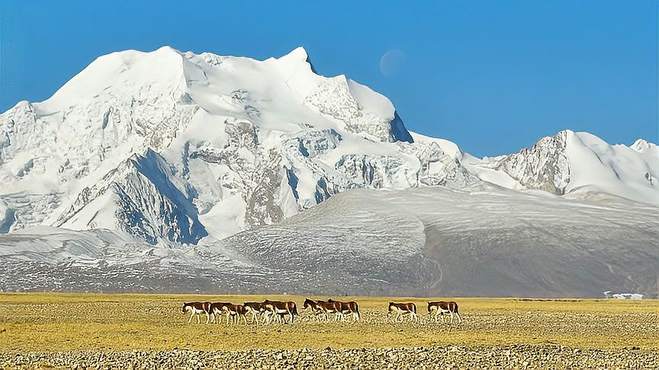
{"points": [[190, 319]]}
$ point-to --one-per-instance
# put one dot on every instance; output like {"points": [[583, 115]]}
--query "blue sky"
{"points": [[493, 76]]}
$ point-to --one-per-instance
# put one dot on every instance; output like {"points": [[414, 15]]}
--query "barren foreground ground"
{"points": [[121, 330]]}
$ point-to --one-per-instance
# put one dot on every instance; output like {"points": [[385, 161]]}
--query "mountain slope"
{"points": [[485, 241]]}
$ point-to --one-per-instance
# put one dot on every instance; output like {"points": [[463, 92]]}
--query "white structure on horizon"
{"points": [[608, 294]]}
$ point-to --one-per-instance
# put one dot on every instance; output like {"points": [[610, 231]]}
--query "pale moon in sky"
{"points": [[391, 61]]}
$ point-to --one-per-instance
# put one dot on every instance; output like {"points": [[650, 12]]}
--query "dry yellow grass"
{"points": [[64, 322]]}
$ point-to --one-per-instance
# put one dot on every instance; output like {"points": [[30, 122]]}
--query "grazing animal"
{"points": [[400, 310], [442, 308], [196, 309], [217, 310], [347, 308], [235, 312], [255, 309], [279, 310]]}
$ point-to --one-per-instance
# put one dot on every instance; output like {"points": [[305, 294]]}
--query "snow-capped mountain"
{"points": [[175, 146], [177, 171], [577, 164]]}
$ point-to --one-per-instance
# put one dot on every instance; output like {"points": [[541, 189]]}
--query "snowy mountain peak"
{"points": [[299, 54], [166, 145], [123, 73], [578, 164], [642, 146]]}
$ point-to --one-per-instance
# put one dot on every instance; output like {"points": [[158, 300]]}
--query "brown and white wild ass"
{"points": [[196, 309], [235, 312], [217, 311], [347, 308], [442, 308], [279, 310], [316, 310], [254, 309], [322, 309], [399, 310]]}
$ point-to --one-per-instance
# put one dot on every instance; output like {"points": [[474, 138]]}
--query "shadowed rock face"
{"points": [[544, 166]]}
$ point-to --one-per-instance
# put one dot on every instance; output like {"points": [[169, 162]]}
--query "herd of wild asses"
{"points": [[269, 311]]}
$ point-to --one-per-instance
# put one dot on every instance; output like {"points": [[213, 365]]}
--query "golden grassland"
{"points": [[117, 322]]}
